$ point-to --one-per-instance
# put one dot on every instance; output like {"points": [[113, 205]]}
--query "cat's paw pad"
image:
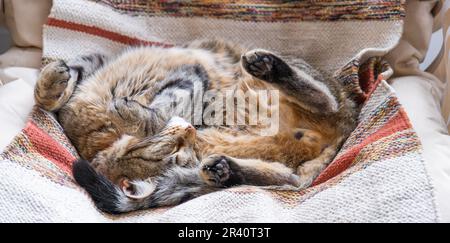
{"points": [[216, 170], [259, 63], [55, 75]]}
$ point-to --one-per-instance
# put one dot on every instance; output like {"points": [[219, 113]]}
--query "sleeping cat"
{"points": [[119, 114]]}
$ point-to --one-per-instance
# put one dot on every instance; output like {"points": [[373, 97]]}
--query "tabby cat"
{"points": [[117, 111]]}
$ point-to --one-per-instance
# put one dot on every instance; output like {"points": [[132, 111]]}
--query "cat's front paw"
{"points": [[216, 170], [55, 76]]}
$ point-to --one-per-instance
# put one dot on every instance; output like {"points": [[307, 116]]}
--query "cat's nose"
{"points": [[190, 128], [191, 133]]}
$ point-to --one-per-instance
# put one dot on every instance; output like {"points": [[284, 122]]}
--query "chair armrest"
{"points": [[443, 64], [25, 20], [2, 14]]}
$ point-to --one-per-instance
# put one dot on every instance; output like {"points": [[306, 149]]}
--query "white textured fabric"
{"points": [[16, 102]]}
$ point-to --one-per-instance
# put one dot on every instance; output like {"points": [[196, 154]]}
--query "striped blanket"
{"points": [[378, 176]]}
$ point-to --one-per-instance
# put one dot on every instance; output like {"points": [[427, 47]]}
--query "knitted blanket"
{"points": [[378, 176]]}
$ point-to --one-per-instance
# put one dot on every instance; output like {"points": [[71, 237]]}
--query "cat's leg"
{"points": [[303, 85], [58, 80], [178, 185], [181, 184], [225, 171]]}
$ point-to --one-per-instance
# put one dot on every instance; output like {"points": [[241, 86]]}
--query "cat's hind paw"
{"points": [[258, 63], [55, 76]]}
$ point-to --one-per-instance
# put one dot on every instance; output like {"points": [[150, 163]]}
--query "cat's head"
{"points": [[131, 158]]}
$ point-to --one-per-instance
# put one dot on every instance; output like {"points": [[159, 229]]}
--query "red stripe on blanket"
{"points": [[49, 148], [92, 30], [369, 84], [399, 122]]}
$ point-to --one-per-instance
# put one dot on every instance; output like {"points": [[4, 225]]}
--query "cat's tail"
{"points": [[107, 196], [175, 186]]}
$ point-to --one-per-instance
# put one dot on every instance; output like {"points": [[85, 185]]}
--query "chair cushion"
{"points": [[421, 93], [30, 57], [416, 94], [16, 102]]}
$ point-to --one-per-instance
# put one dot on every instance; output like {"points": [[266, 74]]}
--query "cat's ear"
{"points": [[137, 189]]}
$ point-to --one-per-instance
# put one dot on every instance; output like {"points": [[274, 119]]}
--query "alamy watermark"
{"points": [[231, 108]]}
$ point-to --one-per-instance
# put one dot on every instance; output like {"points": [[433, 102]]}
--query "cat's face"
{"points": [[131, 158], [175, 144]]}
